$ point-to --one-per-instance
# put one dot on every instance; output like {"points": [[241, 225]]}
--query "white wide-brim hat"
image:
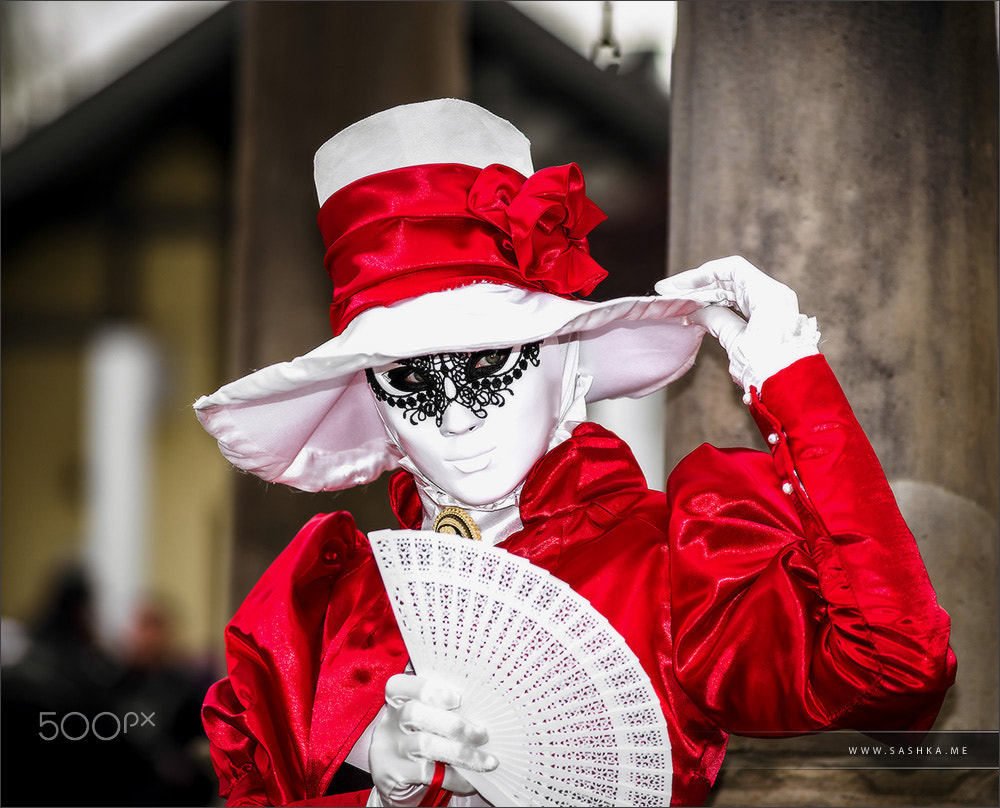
{"points": [[440, 237]]}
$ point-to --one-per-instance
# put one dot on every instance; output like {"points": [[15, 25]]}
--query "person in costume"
{"points": [[763, 593]]}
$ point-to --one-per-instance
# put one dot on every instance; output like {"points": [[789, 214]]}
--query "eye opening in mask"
{"points": [[406, 378], [487, 363]]}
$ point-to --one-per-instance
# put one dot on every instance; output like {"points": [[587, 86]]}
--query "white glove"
{"points": [[420, 727], [773, 334]]}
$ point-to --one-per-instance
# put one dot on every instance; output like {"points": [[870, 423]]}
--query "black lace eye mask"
{"points": [[478, 380]]}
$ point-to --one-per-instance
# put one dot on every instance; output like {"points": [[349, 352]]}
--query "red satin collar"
{"points": [[592, 462]]}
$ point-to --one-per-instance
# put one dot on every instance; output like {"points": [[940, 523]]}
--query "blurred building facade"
{"points": [[116, 222], [176, 205], [146, 209]]}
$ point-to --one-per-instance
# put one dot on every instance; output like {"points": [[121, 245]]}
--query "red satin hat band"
{"points": [[410, 231]]}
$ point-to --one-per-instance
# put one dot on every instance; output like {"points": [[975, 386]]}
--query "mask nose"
{"points": [[456, 419]]}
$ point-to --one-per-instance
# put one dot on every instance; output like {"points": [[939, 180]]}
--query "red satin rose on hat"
{"points": [[547, 217]]}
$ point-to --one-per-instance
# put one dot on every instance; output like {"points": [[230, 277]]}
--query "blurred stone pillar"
{"points": [[850, 150], [306, 70]]}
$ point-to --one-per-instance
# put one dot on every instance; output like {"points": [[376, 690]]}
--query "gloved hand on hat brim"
{"points": [[754, 317], [421, 727]]}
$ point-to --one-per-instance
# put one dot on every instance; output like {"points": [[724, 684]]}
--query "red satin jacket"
{"points": [[763, 593]]}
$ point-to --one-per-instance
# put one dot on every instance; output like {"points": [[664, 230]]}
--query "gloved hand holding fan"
{"points": [[421, 727], [570, 715]]}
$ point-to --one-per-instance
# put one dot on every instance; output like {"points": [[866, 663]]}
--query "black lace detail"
{"points": [[479, 379]]}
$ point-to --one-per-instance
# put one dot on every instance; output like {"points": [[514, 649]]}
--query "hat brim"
{"points": [[310, 423]]}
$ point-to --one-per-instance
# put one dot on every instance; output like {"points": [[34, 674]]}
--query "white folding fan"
{"points": [[571, 715]]}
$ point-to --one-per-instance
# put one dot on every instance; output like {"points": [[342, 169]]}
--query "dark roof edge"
{"points": [[46, 153], [631, 107]]}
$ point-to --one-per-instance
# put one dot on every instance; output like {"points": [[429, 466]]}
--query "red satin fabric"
{"points": [[753, 611], [304, 680], [809, 611], [428, 228], [436, 797]]}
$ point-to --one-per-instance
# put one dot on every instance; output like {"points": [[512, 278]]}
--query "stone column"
{"points": [[850, 150], [306, 71]]}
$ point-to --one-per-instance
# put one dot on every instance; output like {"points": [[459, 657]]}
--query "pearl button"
{"points": [[773, 438], [788, 488], [747, 398]]}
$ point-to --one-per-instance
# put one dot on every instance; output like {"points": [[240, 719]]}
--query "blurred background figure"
{"points": [[61, 672], [121, 728], [173, 755]]}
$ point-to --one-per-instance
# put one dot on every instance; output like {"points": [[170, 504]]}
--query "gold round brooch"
{"points": [[458, 523]]}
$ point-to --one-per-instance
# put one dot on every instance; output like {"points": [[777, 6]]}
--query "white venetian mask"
{"points": [[473, 424]]}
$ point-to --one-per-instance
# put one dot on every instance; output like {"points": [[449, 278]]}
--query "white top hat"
{"points": [[440, 237]]}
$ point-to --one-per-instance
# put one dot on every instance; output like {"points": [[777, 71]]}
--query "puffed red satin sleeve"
{"points": [[799, 599], [303, 680]]}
